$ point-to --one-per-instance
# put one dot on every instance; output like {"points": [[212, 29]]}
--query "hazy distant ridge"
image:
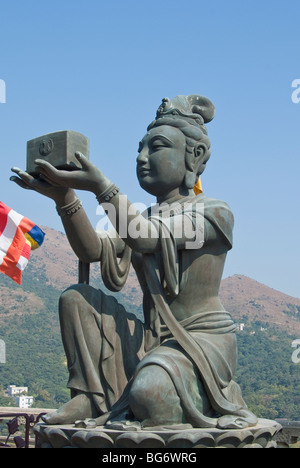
{"points": [[56, 264]]}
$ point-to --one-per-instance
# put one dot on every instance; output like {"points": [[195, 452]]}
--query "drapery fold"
{"points": [[199, 349], [114, 271]]}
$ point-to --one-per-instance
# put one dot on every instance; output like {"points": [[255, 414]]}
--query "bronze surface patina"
{"points": [[176, 368], [58, 148]]}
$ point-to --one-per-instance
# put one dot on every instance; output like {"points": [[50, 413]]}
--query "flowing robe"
{"points": [[106, 348]]}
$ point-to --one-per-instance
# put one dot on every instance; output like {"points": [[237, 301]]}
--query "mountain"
{"points": [[35, 358], [250, 301], [55, 265], [60, 265], [246, 299]]}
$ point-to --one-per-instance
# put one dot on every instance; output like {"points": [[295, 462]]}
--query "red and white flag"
{"points": [[18, 236]]}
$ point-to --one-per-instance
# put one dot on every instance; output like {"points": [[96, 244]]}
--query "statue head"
{"points": [[187, 116]]}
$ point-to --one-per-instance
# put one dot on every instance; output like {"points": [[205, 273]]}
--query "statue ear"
{"points": [[201, 157], [195, 164]]}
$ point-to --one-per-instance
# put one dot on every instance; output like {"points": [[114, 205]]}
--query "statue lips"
{"points": [[143, 171]]}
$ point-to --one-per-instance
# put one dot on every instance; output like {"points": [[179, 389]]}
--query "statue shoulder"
{"points": [[215, 204], [220, 215]]}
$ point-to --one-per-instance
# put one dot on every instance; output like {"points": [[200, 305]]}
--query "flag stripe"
{"points": [[13, 272], [15, 249], [18, 236], [26, 225], [4, 210], [26, 251], [7, 236], [22, 263], [36, 234]]}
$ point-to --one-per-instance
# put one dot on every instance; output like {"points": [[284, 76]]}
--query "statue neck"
{"points": [[175, 195]]}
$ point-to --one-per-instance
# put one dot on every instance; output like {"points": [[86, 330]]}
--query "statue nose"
{"points": [[142, 158]]}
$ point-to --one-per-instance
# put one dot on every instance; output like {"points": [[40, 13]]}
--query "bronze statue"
{"points": [[176, 367]]}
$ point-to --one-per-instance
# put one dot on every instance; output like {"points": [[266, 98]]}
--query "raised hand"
{"points": [[89, 177], [40, 185], [55, 183]]}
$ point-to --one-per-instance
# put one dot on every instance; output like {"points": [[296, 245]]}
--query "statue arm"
{"points": [[143, 234], [84, 240], [131, 228], [59, 185], [82, 237], [139, 233]]}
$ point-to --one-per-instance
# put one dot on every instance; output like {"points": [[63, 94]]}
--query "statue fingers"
{"points": [[50, 182], [20, 182], [24, 180], [51, 174], [85, 163], [29, 182]]}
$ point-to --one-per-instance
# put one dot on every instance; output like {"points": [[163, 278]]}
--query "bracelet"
{"points": [[108, 194], [69, 209]]}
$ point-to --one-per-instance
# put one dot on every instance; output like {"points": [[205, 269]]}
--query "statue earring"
{"points": [[198, 187], [189, 180]]}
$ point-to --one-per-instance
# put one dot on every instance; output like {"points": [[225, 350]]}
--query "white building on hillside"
{"points": [[24, 401], [13, 390], [20, 394]]}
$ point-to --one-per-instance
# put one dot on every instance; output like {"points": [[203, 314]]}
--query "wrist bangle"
{"points": [[69, 209], [108, 194]]}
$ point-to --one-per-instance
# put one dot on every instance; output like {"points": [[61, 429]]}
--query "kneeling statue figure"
{"points": [[177, 366]]}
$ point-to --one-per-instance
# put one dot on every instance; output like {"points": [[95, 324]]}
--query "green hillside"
{"points": [[34, 352], [35, 358], [270, 381]]}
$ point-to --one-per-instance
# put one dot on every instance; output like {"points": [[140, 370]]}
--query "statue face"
{"points": [[161, 160]]}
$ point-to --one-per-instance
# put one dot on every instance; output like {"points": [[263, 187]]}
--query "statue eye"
{"points": [[157, 144]]}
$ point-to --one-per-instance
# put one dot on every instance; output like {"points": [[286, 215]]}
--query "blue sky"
{"points": [[102, 68]]}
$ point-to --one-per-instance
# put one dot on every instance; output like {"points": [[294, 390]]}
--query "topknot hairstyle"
{"points": [[189, 114]]}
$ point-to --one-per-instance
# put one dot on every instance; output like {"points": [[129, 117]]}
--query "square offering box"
{"points": [[58, 149]]}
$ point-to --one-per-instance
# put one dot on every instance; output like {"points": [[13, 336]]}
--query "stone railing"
{"points": [[29, 417], [20, 421], [289, 434]]}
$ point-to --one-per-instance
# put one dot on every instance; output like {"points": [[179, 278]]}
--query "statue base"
{"points": [[263, 435]]}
